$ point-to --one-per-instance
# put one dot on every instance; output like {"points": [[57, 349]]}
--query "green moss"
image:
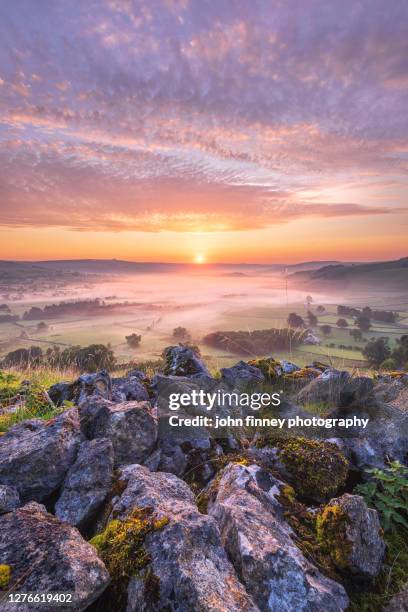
{"points": [[121, 547], [314, 466], [5, 572], [331, 532], [270, 368]]}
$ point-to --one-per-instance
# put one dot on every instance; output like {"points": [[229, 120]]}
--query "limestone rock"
{"points": [[46, 555], [35, 455], [87, 483], [9, 499], [130, 426], [257, 540], [187, 559]]}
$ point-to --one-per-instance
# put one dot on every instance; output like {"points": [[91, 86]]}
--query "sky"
{"points": [[202, 130]]}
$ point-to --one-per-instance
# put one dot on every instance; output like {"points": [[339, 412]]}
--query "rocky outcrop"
{"points": [[130, 426], [385, 437], [98, 383], [336, 388], [35, 455], [183, 361], [242, 374], [257, 540], [129, 388], [351, 533], [9, 499], [191, 569], [87, 483], [46, 555]]}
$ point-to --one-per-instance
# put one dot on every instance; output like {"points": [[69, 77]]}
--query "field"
{"points": [[202, 302]]}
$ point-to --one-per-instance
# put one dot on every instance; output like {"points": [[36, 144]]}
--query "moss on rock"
{"points": [[121, 547], [331, 531], [317, 469], [270, 367], [5, 572]]}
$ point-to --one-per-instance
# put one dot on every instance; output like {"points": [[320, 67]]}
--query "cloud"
{"points": [[128, 114]]}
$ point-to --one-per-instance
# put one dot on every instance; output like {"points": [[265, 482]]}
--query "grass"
{"points": [[33, 400]]}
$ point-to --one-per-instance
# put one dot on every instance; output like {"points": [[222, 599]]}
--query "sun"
{"points": [[199, 259]]}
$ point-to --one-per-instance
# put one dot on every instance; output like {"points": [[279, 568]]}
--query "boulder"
{"points": [[183, 361], [46, 555], [98, 383], [316, 469], [337, 388], [188, 565], [9, 499], [129, 388], [242, 374], [257, 540], [35, 455], [385, 437], [130, 426], [351, 533], [87, 483]]}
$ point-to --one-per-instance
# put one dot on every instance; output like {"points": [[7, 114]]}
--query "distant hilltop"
{"points": [[382, 274]]}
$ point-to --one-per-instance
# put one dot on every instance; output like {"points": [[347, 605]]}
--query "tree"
{"points": [[23, 358], [42, 326], [312, 319], [342, 323], [295, 320], [363, 323], [309, 300], [320, 309], [326, 329], [377, 350], [133, 340], [400, 354], [357, 334], [181, 333], [88, 358]]}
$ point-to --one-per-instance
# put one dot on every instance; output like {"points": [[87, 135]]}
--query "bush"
{"points": [[388, 364], [133, 340], [377, 350], [181, 333], [387, 492]]}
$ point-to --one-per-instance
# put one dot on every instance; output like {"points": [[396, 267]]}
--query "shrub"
{"points": [[133, 340], [387, 492], [389, 364]]}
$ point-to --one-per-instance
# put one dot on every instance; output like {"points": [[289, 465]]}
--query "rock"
{"points": [[288, 367], [35, 455], [399, 603], [183, 361], [316, 469], [130, 426], [187, 562], [351, 533], [46, 555], [9, 499], [257, 540], [87, 483], [129, 388], [242, 374], [385, 437], [337, 388], [98, 383]]}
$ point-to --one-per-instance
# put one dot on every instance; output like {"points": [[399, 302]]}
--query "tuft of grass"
{"points": [[29, 394]]}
